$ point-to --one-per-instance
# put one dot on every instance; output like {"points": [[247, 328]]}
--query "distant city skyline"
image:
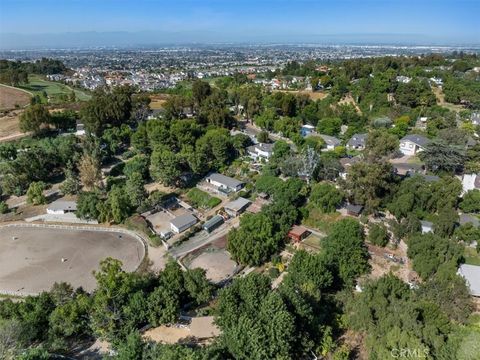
{"points": [[80, 23]]}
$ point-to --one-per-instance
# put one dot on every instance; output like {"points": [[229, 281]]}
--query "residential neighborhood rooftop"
{"points": [[416, 139], [183, 220], [224, 180], [471, 273]]}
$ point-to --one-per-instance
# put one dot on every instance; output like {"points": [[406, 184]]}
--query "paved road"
{"points": [[202, 239]]}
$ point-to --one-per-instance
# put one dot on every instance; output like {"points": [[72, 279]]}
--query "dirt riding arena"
{"points": [[32, 259]]}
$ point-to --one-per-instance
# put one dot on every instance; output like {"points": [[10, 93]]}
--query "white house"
{"points": [[403, 79], [79, 128], [470, 182], [427, 226], [475, 117], [224, 183], [61, 207], [413, 144], [260, 151], [182, 223]]}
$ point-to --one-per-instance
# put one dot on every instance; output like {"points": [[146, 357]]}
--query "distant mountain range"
{"points": [[17, 41]]}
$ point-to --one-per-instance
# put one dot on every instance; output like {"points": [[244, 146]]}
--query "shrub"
{"points": [[378, 235]]}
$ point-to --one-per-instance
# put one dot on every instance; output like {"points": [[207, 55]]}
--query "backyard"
{"points": [[200, 199]]}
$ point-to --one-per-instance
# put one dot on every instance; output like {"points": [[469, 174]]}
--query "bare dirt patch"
{"points": [[11, 98], [441, 100], [158, 101], [31, 257], [313, 95], [349, 100], [9, 125]]}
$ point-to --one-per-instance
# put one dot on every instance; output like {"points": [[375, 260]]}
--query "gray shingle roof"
{"points": [[238, 204], [416, 139], [466, 219], [182, 220], [225, 180], [357, 140], [62, 205], [330, 140]]}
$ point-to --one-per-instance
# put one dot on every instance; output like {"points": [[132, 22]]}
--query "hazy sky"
{"points": [[437, 21]]}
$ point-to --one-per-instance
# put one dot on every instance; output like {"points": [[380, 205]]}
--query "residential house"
{"points": [[406, 169], [155, 114], [331, 142], [357, 142], [224, 183], [213, 223], [471, 274], [421, 123], [298, 233], [475, 118], [79, 128], [182, 223], [346, 163], [236, 207], [307, 129], [437, 81], [354, 210], [469, 219], [260, 151], [413, 144], [427, 226], [470, 182], [61, 207], [403, 79]]}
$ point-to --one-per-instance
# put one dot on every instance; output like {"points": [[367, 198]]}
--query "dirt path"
{"points": [[441, 100], [348, 100]]}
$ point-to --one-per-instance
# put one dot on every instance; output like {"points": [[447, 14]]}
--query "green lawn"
{"points": [[472, 257], [200, 199], [55, 91], [320, 221]]}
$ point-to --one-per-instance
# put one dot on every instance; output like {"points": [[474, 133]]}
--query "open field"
{"points": [[31, 257], [158, 101], [12, 98], [313, 95], [55, 91], [9, 125]]}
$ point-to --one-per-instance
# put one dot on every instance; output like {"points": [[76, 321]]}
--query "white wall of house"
{"points": [[55, 212], [409, 148], [468, 182]]}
